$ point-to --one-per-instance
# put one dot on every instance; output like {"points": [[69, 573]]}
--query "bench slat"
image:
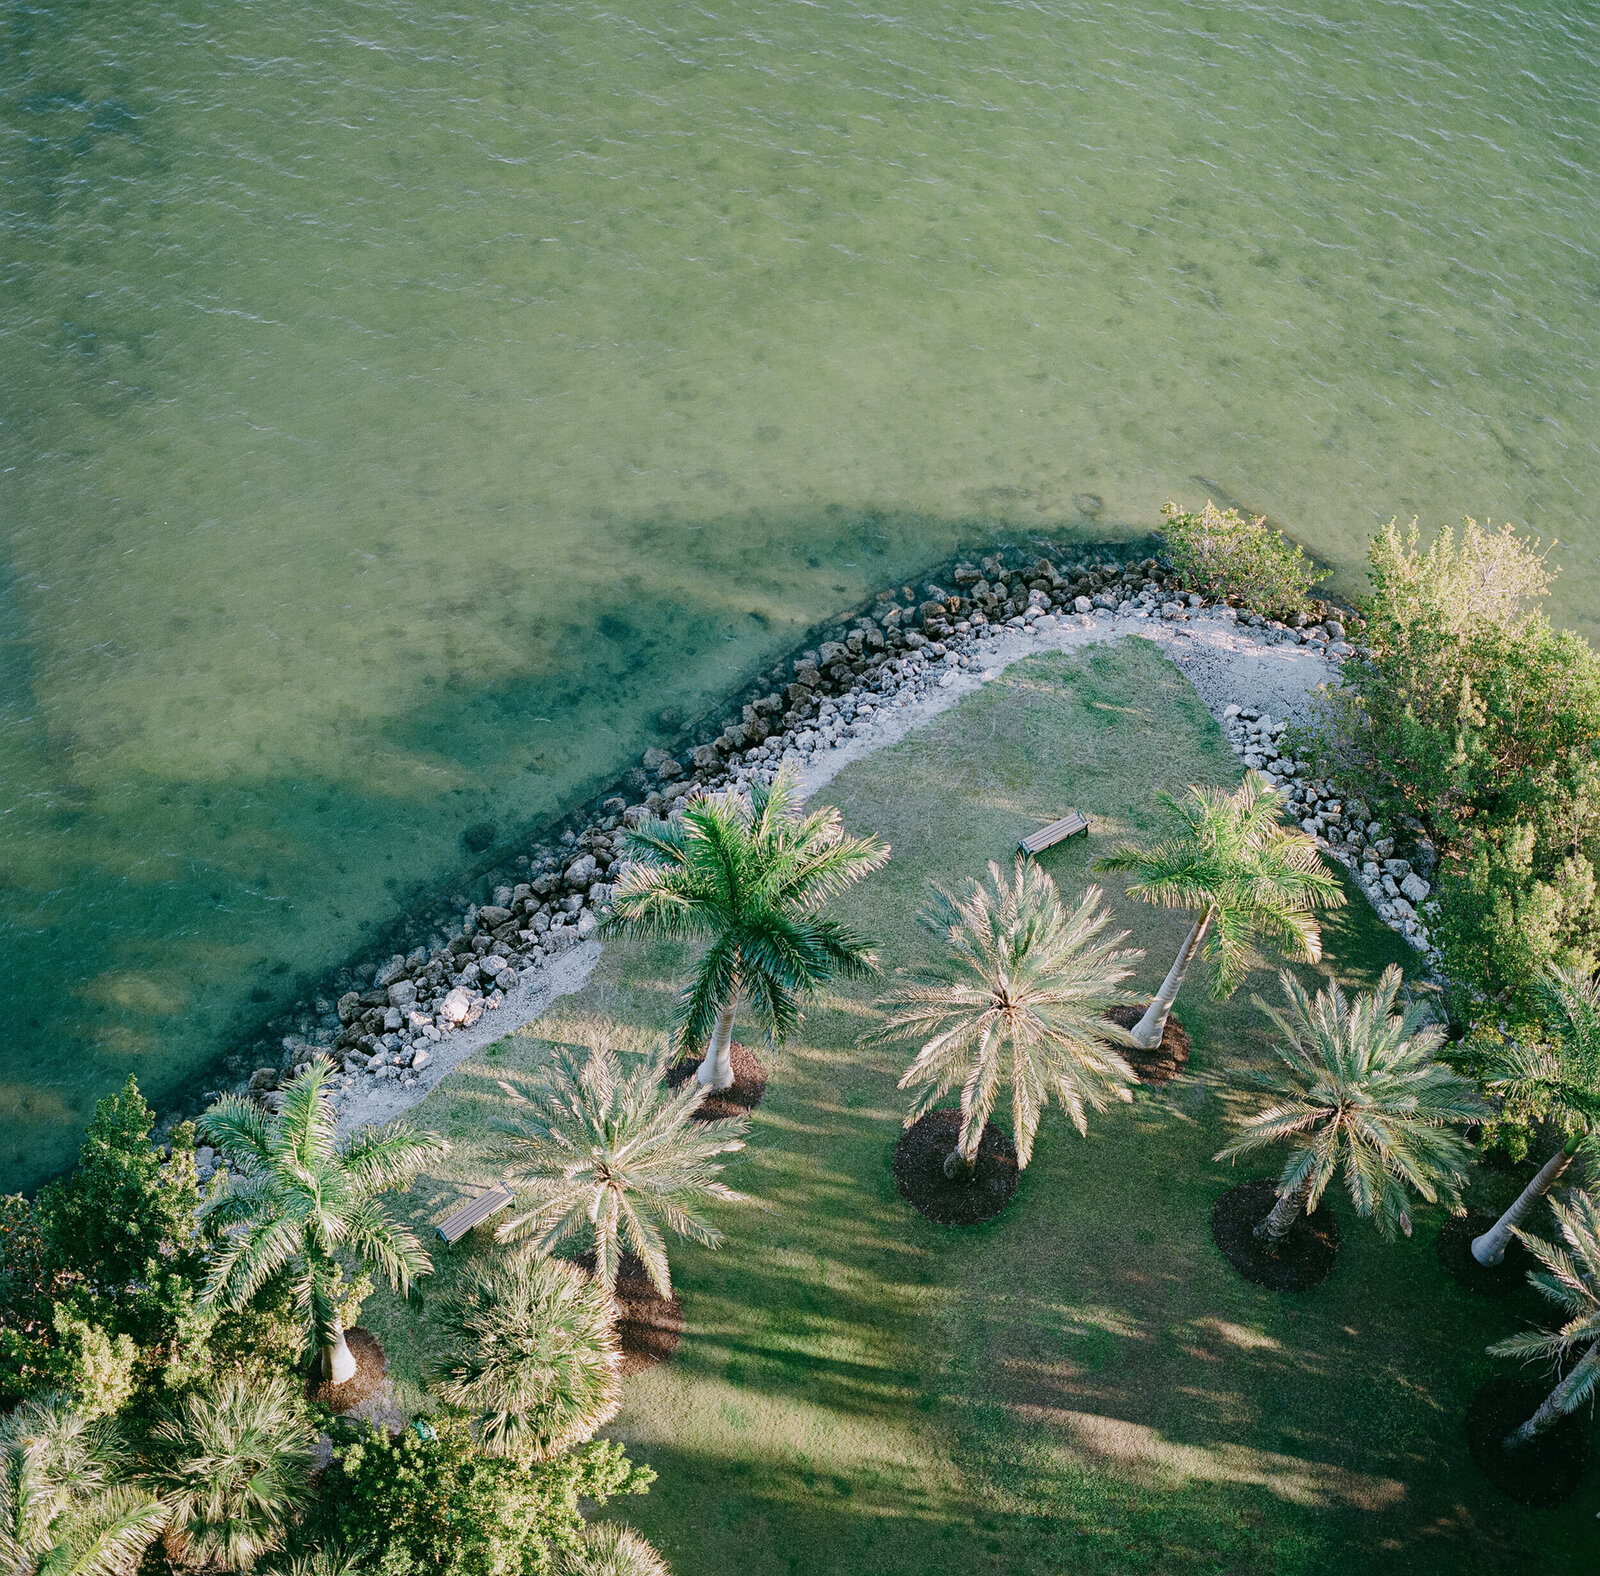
{"points": [[1048, 836], [475, 1211]]}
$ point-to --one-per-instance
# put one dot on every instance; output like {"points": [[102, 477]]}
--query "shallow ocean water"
{"points": [[404, 406]]}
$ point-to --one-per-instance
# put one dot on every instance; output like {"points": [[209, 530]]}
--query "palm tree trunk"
{"points": [[716, 1071], [1490, 1248], [1554, 1406], [338, 1361], [1149, 1029], [1282, 1216]]}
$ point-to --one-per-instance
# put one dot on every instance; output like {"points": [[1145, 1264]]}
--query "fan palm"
{"points": [[232, 1465], [1570, 1278], [1557, 1081], [1020, 999], [608, 1548], [1358, 1092], [612, 1155], [325, 1561], [297, 1194], [752, 873], [537, 1355], [66, 1508], [1233, 862]]}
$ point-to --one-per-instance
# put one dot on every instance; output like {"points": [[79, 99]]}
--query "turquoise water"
{"points": [[404, 405]]}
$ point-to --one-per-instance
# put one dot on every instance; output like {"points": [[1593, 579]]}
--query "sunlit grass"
{"points": [[1084, 1384]]}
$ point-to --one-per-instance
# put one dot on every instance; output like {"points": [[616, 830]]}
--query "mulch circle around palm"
{"points": [[1163, 1062], [1546, 1471], [739, 1099], [919, 1171], [649, 1326], [1302, 1260], [372, 1367], [1454, 1248]]}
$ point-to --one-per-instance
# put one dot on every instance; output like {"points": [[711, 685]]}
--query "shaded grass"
{"points": [[1083, 1384]]}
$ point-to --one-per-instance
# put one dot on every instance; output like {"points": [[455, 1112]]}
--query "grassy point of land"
{"points": [[1084, 1384]]}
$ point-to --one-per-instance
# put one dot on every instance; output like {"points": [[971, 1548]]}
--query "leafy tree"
{"points": [[92, 1370], [438, 1507], [66, 1505], [1554, 1079], [611, 1156], [232, 1465], [126, 1204], [1468, 715], [1020, 999], [122, 1224], [1570, 1278], [610, 1549], [1357, 1092], [297, 1194], [752, 874], [534, 1355], [1222, 554], [1234, 863]]}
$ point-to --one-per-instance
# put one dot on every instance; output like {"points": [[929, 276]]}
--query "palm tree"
{"points": [[1558, 1082], [1021, 998], [608, 1548], [537, 1355], [1236, 865], [66, 1505], [232, 1465], [752, 874], [297, 1194], [327, 1560], [1571, 1280], [1358, 1092], [612, 1155]]}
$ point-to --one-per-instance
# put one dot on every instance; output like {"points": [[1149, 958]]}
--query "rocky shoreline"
{"points": [[394, 1024]]}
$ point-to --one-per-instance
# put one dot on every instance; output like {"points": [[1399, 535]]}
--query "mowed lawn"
{"points": [[1083, 1385]]}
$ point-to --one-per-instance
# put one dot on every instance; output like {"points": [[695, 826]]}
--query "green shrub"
{"points": [[1221, 553], [1470, 717], [417, 1506]]}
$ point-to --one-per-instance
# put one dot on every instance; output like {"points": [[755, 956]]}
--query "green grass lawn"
{"points": [[1084, 1384]]}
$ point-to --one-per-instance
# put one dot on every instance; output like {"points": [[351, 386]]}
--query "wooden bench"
{"points": [[1073, 822], [475, 1211]]}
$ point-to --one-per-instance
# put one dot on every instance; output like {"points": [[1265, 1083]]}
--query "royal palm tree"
{"points": [[1020, 998], [536, 1355], [1557, 1081], [67, 1507], [611, 1155], [1356, 1091], [607, 1548], [1571, 1280], [297, 1195], [232, 1465], [752, 874], [1234, 863]]}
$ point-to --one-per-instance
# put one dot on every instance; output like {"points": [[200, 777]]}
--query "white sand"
{"points": [[1225, 663]]}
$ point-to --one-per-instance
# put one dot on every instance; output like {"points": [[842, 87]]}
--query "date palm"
{"points": [[752, 873], [607, 1548], [1557, 1081], [1570, 1278], [611, 1155], [67, 1507], [1357, 1092], [1020, 999], [297, 1195], [232, 1465], [536, 1355], [1232, 862]]}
